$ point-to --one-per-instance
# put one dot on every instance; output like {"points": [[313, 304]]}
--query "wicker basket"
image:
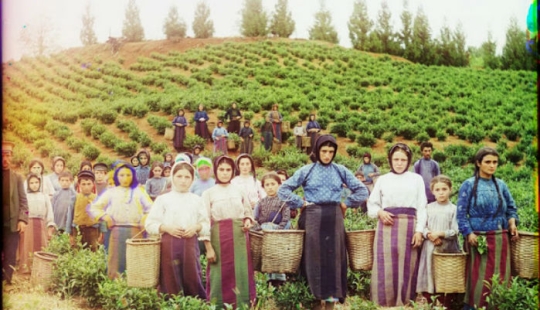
{"points": [[42, 268], [231, 145], [255, 243], [525, 255], [449, 272], [285, 126], [282, 250], [142, 261], [169, 133], [360, 249], [306, 141]]}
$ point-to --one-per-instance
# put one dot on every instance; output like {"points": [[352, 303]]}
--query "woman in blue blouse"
{"points": [[201, 127], [179, 123], [219, 136], [486, 214]]}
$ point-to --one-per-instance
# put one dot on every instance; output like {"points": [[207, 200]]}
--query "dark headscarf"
{"points": [[147, 155], [85, 163], [220, 160], [368, 155], [402, 147], [322, 139]]}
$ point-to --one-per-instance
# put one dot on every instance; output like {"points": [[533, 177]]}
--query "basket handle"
{"points": [[279, 211], [140, 232]]}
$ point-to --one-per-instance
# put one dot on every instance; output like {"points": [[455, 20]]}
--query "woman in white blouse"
{"points": [[180, 216], [399, 202]]}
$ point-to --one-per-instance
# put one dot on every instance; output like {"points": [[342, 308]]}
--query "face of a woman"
{"points": [[182, 180], [36, 169], [234, 105], [58, 166], [245, 166], [224, 172], [488, 166], [125, 177], [399, 161], [180, 113], [200, 107], [366, 160]]}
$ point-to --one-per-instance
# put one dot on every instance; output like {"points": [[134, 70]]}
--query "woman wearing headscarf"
{"points": [[399, 201], [369, 170], [325, 256], [313, 130], [234, 115], [179, 122], [201, 127]]}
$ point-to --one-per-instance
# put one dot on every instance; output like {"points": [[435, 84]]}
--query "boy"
{"points": [[299, 132], [143, 170], [100, 173], [427, 168], [196, 153], [205, 181], [63, 199]]}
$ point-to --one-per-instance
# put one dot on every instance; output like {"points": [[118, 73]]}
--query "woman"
{"points": [[220, 138], [369, 170], [487, 211], [267, 135], [179, 123], [324, 255], [276, 119], [233, 115], [58, 165], [201, 127], [180, 216], [313, 129], [228, 250], [398, 200], [247, 179]]}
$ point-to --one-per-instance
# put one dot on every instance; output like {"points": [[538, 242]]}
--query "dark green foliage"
{"points": [[90, 152], [520, 294], [106, 115], [421, 137], [441, 135], [292, 294], [351, 135], [359, 26], [439, 156], [159, 148], [126, 148], [341, 129], [514, 55], [87, 125], [66, 116], [290, 158], [282, 24], [366, 139], [159, 123], [116, 294], [514, 155], [109, 139], [323, 30]]}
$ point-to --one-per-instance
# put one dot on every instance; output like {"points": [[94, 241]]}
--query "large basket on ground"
{"points": [[256, 243], [169, 133], [42, 268], [360, 249], [142, 261], [306, 141], [231, 145], [282, 250], [525, 255], [449, 272], [285, 126]]}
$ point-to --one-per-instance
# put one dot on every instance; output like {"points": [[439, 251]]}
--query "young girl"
{"points": [[36, 167], [155, 185], [220, 138], [180, 216], [205, 180], [441, 232], [247, 179], [167, 177], [143, 171], [134, 161], [196, 153], [58, 166], [179, 123], [299, 132], [41, 224], [124, 209], [168, 159]]}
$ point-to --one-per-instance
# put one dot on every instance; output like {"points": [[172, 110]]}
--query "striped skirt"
{"points": [[231, 278], [395, 262], [33, 239], [180, 269], [324, 257], [116, 255], [482, 267]]}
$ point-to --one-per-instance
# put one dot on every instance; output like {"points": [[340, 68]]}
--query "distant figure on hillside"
{"points": [[369, 171], [313, 129], [220, 138], [179, 123], [276, 119], [427, 168], [246, 136], [299, 132], [201, 127], [267, 134], [233, 115]]}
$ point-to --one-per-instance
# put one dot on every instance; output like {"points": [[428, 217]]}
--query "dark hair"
{"points": [[85, 163], [227, 160], [36, 161], [57, 158], [368, 155], [283, 172], [85, 175], [270, 175], [65, 174], [183, 165], [426, 144], [31, 176], [483, 152], [359, 172], [154, 165], [400, 147], [180, 110], [248, 157]]}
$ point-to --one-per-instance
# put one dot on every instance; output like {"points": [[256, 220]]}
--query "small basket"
{"points": [[169, 133], [42, 268], [525, 255], [231, 145], [142, 261], [306, 141], [285, 126], [360, 249], [449, 272], [282, 250], [256, 243]]}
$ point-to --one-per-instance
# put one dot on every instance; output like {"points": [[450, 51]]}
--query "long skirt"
{"points": [[233, 126], [220, 145], [179, 136], [116, 256], [313, 136], [395, 261], [231, 278], [482, 267], [324, 258], [180, 269], [298, 140], [246, 146], [276, 128], [33, 239], [267, 136], [201, 129]]}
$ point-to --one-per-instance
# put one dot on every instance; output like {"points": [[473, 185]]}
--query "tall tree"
{"points": [[514, 54], [445, 47], [385, 31], [254, 19], [405, 35], [282, 24], [359, 26], [203, 27], [87, 35], [489, 53], [323, 29], [174, 26], [39, 38], [422, 50], [461, 56], [132, 29]]}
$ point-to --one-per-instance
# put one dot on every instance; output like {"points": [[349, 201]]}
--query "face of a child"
{"points": [[360, 178], [86, 186], [64, 182], [135, 161], [36, 169], [125, 177], [100, 175], [399, 161], [283, 178], [224, 172], [168, 157], [182, 180], [143, 159], [166, 172], [366, 160], [204, 172], [441, 191], [245, 166], [157, 172], [58, 166], [196, 151], [270, 187], [33, 184]]}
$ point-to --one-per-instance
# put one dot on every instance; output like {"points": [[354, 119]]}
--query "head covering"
{"points": [[244, 155], [143, 151], [403, 147], [182, 157], [224, 159], [203, 162], [85, 163], [86, 174], [134, 182], [197, 146], [367, 154], [30, 176], [165, 157], [36, 161], [101, 167], [57, 158], [167, 165], [7, 146], [118, 163], [322, 139]]}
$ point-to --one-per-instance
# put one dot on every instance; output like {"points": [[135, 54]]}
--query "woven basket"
{"points": [[525, 255], [360, 249], [142, 261], [42, 268], [282, 250], [306, 141], [285, 126], [230, 144], [449, 272], [255, 243], [169, 133]]}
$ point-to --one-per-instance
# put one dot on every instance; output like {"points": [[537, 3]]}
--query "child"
{"points": [[62, 200], [78, 217], [40, 216], [58, 166], [143, 171], [247, 179], [134, 161], [360, 176], [124, 209], [196, 153], [441, 232], [246, 136], [156, 184], [283, 175], [85, 165], [180, 216], [220, 138], [100, 174], [167, 177], [205, 180], [299, 132], [36, 167], [168, 158]]}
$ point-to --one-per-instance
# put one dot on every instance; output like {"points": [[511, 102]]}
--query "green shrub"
{"points": [[514, 155], [144, 139], [248, 115], [109, 139], [439, 156], [431, 130], [75, 144], [351, 135], [520, 294], [294, 294], [366, 139], [87, 125], [90, 152], [441, 135], [388, 137], [192, 140], [512, 133], [97, 130], [126, 148], [116, 294], [407, 131], [159, 148], [421, 137], [289, 159], [341, 129], [106, 115], [140, 110], [159, 123], [260, 155], [67, 116]]}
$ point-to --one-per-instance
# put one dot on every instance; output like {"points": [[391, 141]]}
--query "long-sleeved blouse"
{"points": [[312, 125], [201, 114], [251, 187], [39, 206], [218, 132], [226, 202], [155, 186], [179, 120], [126, 206], [404, 190], [486, 214]]}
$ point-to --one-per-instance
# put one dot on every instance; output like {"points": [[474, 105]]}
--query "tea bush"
{"points": [[96, 130], [192, 140], [520, 294], [294, 294], [91, 152], [366, 139], [126, 148], [116, 294]]}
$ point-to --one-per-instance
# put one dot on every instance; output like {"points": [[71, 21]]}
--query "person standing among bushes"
{"points": [[36, 167], [299, 132], [324, 254], [246, 136], [369, 171], [201, 127], [156, 184], [179, 122], [63, 200], [143, 170], [58, 166], [276, 119], [246, 179], [267, 135], [399, 201], [313, 129], [14, 212], [220, 138], [205, 180], [233, 115], [487, 217], [427, 168], [228, 251], [180, 217]]}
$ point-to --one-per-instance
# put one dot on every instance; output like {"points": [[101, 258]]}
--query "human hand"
{"points": [[190, 232], [513, 232], [472, 239], [201, 119], [211, 255], [247, 224], [343, 207], [109, 221], [101, 238], [21, 226], [174, 231], [417, 240], [386, 217]]}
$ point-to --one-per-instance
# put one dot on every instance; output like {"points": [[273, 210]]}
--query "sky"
{"points": [[476, 16]]}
